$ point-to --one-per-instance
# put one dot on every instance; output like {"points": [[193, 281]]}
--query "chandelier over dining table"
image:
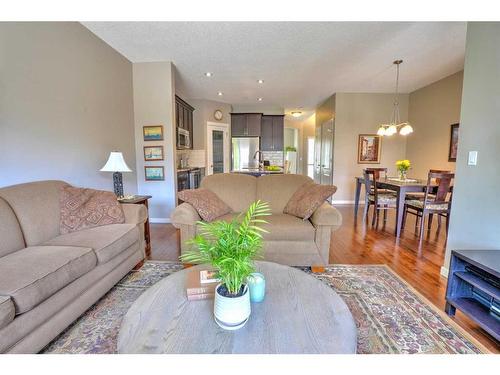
{"points": [[395, 123]]}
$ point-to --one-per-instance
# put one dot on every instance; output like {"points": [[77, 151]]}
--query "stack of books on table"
{"points": [[200, 284]]}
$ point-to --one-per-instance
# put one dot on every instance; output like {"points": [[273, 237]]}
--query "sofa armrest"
{"points": [[327, 215], [184, 214], [135, 213]]}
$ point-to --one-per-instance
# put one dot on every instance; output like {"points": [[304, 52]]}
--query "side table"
{"points": [[142, 199]]}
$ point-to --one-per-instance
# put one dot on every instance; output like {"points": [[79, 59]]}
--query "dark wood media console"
{"points": [[474, 287]]}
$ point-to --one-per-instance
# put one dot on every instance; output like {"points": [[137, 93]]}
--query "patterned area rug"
{"points": [[390, 316]]}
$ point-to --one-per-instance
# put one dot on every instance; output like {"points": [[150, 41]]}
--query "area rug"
{"points": [[390, 315]]}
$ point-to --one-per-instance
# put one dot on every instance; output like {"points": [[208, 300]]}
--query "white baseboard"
{"points": [[444, 271], [159, 220], [346, 202]]}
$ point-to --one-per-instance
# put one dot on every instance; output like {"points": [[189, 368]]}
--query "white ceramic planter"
{"points": [[232, 313]]}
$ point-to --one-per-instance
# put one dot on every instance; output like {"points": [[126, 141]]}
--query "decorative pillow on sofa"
{"points": [[88, 208], [307, 199], [206, 202]]}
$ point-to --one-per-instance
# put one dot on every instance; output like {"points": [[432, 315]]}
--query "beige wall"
{"points": [[154, 98], [432, 110], [204, 111], [475, 220], [65, 103], [361, 114], [325, 111]]}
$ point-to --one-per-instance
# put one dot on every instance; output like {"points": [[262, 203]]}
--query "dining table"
{"points": [[400, 187]]}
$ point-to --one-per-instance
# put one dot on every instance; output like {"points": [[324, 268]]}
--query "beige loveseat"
{"points": [[290, 240], [47, 280]]}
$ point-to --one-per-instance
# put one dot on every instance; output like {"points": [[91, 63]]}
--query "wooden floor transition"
{"points": [[358, 243]]}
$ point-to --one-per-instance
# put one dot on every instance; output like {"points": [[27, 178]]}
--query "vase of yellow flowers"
{"points": [[403, 166]]}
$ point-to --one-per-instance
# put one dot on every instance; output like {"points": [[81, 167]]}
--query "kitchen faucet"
{"points": [[260, 157]]}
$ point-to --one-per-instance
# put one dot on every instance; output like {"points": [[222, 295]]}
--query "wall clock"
{"points": [[218, 115]]}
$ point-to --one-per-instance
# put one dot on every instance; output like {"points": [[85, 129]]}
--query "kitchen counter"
{"points": [[257, 172]]}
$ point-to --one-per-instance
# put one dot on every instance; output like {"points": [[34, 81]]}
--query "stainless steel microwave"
{"points": [[183, 139]]}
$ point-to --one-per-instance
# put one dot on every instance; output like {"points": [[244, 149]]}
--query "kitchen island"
{"points": [[257, 172]]}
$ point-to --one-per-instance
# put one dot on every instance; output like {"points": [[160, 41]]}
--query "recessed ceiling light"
{"points": [[208, 74], [296, 113], [261, 81], [220, 93], [259, 99]]}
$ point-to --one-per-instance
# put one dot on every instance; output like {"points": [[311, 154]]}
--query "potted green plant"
{"points": [[231, 247]]}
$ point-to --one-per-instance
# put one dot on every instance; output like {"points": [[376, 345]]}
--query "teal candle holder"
{"points": [[257, 284]]}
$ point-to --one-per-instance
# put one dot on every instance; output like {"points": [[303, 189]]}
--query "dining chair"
{"points": [[380, 199], [438, 203], [420, 196]]}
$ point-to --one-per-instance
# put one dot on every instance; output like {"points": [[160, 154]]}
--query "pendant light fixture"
{"points": [[395, 124]]}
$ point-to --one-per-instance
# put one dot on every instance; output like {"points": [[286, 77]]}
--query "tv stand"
{"points": [[474, 287]]}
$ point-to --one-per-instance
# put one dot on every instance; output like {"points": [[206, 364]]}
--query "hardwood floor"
{"points": [[358, 243]]}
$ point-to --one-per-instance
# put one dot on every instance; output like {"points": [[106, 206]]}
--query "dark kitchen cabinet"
{"points": [[238, 125], [246, 124], [266, 140], [278, 133], [272, 133], [184, 118]]}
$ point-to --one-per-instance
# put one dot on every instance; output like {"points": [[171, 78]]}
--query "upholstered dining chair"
{"points": [[438, 203], [381, 200], [420, 196]]}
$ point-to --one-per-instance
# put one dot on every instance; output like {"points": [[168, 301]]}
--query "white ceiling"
{"points": [[302, 63]]}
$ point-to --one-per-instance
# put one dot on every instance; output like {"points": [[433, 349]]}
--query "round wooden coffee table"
{"points": [[300, 314]]}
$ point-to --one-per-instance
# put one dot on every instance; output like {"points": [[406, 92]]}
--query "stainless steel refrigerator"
{"points": [[243, 153]]}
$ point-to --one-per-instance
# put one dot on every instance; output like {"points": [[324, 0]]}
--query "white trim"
{"points": [[444, 272], [227, 145], [159, 220], [346, 202]]}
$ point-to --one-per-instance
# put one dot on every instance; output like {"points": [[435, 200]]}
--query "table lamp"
{"points": [[117, 165]]}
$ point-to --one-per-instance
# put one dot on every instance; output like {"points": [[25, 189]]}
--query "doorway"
{"points": [[217, 148]]}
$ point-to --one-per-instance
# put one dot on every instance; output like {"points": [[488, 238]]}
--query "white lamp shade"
{"points": [[115, 163], [405, 130], [381, 131]]}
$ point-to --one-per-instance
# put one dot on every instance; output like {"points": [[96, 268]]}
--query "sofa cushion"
{"points": [[283, 227], [208, 205], [237, 190], [107, 241], [307, 199], [278, 189], [36, 205], [31, 275], [88, 208], [10, 232], [7, 311]]}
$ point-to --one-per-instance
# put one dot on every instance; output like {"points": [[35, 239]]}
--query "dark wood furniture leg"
{"points": [[356, 198], [147, 233], [400, 203]]}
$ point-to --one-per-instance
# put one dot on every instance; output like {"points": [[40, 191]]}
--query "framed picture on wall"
{"points": [[152, 153], [154, 173], [153, 132], [452, 154], [369, 148]]}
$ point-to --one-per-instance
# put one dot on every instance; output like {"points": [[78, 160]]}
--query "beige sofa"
{"points": [[47, 280], [290, 240]]}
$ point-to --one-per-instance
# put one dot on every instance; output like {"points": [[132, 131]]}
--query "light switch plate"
{"points": [[472, 158]]}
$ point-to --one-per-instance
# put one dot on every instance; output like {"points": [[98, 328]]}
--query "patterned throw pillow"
{"points": [[88, 208], [307, 199], [206, 202]]}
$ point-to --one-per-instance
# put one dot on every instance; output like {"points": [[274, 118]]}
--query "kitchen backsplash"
{"points": [[274, 157], [195, 158]]}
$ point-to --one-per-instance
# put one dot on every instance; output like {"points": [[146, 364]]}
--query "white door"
{"points": [[217, 148], [327, 152]]}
